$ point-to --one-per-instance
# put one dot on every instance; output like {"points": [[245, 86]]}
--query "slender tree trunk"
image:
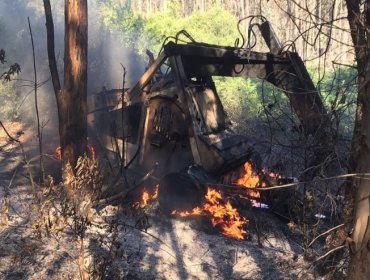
{"points": [[359, 22]]}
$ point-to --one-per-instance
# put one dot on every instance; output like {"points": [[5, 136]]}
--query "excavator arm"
{"points": [[284, 70]]}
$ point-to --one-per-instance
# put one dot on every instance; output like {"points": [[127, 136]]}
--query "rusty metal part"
{"points": [[177, 118]]}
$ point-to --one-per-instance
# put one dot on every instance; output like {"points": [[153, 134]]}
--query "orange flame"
{"points": [[222, 214], [146, 198], [249, 180], [195, 212]]}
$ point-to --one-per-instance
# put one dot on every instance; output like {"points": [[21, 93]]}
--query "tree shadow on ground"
{"points": [[177, 249]]}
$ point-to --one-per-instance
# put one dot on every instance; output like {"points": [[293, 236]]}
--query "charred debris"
{"points": [[171, 128]]}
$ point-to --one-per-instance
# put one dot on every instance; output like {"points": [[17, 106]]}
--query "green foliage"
{"points": [[216, 26], [334, 86], [239, 96], [119, 17], [244, 99], [338, 86], [339, 89]]}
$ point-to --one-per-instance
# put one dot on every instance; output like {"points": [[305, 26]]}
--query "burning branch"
{"points": [[146, 197]]}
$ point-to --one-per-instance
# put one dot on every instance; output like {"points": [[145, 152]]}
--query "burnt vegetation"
{"points": [[201, 139]]}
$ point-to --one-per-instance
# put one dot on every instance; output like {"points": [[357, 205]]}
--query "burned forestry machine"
{"points": [[173, 126]]}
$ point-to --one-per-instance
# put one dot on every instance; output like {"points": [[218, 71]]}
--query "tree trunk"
{"points": [[51, 47], [72, 100], [360, 258], [360, 153]]}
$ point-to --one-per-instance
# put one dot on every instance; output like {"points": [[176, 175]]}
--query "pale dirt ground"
{"points": [[137, 244], [169, 249]]}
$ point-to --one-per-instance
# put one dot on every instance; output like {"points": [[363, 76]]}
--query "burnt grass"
{"points": [[119, 242]]}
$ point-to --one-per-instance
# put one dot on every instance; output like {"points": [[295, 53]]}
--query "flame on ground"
{"points": [[222, 214], [195, 212], [250, 180], [146, 197]]}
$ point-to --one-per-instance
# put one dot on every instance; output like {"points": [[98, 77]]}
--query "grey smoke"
{"points": [[106, 52]]}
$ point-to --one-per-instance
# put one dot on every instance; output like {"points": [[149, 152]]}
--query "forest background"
{"points": [[120, 31]]}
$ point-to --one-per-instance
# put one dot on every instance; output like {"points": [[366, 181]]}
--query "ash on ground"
{"points": [[119, 242], [124, 243]]}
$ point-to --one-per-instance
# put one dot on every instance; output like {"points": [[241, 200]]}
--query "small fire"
{"points": [[146, 197], [249, 180], [195, 212], [221, 214], [58, 152]]}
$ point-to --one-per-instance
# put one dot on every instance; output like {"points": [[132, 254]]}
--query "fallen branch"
{"points": [[330, 252], [324, 233], [356, 175]]}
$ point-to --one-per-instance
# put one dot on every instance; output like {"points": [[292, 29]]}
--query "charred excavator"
{"points": [[173, 125]]}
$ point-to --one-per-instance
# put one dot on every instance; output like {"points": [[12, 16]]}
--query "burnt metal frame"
{"points": [[286, 71]]}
